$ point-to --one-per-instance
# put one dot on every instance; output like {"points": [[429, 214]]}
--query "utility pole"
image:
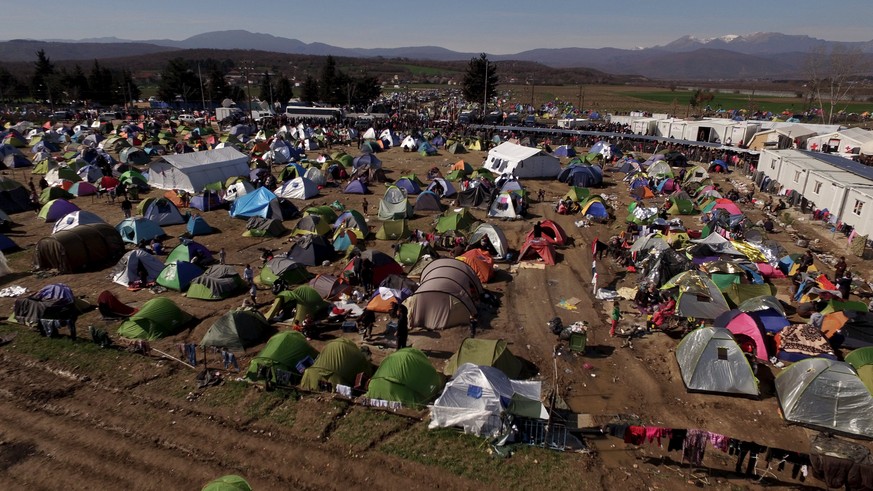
{"points": [[202, 92], [485, 97]]}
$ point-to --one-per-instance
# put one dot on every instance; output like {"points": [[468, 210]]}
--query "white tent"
{"points": [[74, 219], [370, 134], [392, 137], [494, 234], [238, 189], [193, 171], [711, 361], [126, 271], [408, 144], [503, 206], [297, 188], [478, 396], [315, 175], [521, 161]]}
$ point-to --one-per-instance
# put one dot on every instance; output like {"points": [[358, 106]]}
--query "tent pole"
{"points": [[173, 358]]}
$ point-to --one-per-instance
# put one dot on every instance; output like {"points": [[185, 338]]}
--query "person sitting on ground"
{"points": [[768, 224], [664, 312], [157, 247]]}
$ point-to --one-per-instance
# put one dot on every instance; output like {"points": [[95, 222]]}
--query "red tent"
{"points": [[111, 307], [552, 232], [383, 265], [535, 248]]}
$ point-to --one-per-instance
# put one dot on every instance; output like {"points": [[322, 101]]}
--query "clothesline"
{"points": [[692, 443]]}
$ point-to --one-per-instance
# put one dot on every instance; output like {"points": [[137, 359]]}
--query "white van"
{"points": [[186, 118]]}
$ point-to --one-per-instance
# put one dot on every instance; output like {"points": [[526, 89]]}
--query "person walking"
{"points": [[402, 314], [615, 316], [126, 207], [840, 268], [222, 256], [365, 205], [474, 325], [248, 275]]}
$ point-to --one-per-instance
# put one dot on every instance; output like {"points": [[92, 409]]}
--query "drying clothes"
{"points": [[695, 446], [796, 459], [635, 435], [655, 432], [751, 449], [836, 472], [677, 440], [617, 430], [719, 441]]}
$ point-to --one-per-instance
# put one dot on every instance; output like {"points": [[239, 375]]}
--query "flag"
{"points": [[594, 247]]}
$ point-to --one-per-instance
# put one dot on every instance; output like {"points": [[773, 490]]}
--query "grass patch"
{"points": [[285, 413], [469, 457], [362, 428], [229, 394]]}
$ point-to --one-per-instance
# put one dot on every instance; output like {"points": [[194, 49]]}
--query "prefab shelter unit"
{"points": [[710, 360], [86, 247], [405, 376], [522, 162], [193, 171], [825, 394]]}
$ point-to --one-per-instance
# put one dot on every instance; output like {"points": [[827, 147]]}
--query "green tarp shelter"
{"points": [[284, 351], [485, 352], [228, 483], [339, 363], [861, 360], [218, 282], [406, 376], [237, 330], [157, 318]]}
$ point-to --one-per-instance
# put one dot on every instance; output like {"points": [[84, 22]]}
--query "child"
{"points": [[616, 316], [253, 291]]}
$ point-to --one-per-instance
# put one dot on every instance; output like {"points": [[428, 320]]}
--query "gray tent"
{"points": [[711, 361], [440, 303], [394, 205], [459, 271], [825, 394], [237, 330], [494, 234], [218, 282]]}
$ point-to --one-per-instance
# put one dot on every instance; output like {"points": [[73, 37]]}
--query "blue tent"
{"points": [[197, 226], [6, 243], [356, 187], [426, 149], [565, 151], [596, 209], [586, 176], [259, 203], [410, 186], [598, 147], [343, 241], [16, 161], [136, 230], [45, 145], [770, 319], [206, 201], [437, 141], [564, 175], [638, 183], [367, 159]]}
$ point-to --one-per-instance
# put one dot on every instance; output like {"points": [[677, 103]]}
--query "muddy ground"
{"points": [[76, 417]]}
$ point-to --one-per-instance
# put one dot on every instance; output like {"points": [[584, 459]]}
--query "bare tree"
{"points": [[832, 75]]}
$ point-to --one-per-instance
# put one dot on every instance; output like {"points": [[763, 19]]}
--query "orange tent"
{"points": [[832, 323], [174, 197], [461, 165], [379, 304], [479, 261]]}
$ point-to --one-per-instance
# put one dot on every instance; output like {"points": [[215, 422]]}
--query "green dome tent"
{"points": [[292, 273], [406, 376], [485, 352], [156, 318], [307, 300], [218, 282], [339, 363], [178, 275], [862, 360], [237, 330], [394, 230], [228, 483], [287, 351], [455, 220]]}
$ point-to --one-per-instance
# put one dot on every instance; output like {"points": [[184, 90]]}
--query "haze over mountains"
{"points": [[760, 55]]}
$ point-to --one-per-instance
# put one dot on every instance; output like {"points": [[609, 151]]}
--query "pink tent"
{"points": [[729, 207], [741, 323], [768, 271]]}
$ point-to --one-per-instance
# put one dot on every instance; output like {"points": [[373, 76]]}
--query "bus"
{"points": [[311, 112]]}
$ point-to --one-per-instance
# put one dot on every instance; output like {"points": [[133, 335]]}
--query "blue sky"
{"points": [[503, 27]]}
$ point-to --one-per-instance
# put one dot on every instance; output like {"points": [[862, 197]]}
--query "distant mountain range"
{"points": [[766, 55]]}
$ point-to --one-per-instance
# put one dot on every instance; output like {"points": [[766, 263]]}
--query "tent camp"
{"points": [[862, 361], [133, 263], [506, 205], [157, 318], [329, 286], [405, 376], [193, 171], [537, 248], [522, 162], [298, 188], [219, 281], [237, 330], [742, 326], [356, 186], [459, 271], [56, 209], [711, 361], [137, 229], [341, 362], [479, 261], [394, 205], [442, 188], [14, 197], [455, 220], [264, 227], [283, 359], [476, 197], [86, 247], [495, 236], [826, 394], [197, 226], [485, 352]]}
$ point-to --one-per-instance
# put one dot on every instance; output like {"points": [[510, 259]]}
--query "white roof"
{"points": [[513, 152], [193, 171], [205, 157]]}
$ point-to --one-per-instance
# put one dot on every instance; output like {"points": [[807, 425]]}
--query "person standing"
{"points": [[253, 293], [126, 207], [474, 325], [249, 275], [615, 316], [222, 256], [402, 314], [365, 205], [844, 284], [840, 268]]}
